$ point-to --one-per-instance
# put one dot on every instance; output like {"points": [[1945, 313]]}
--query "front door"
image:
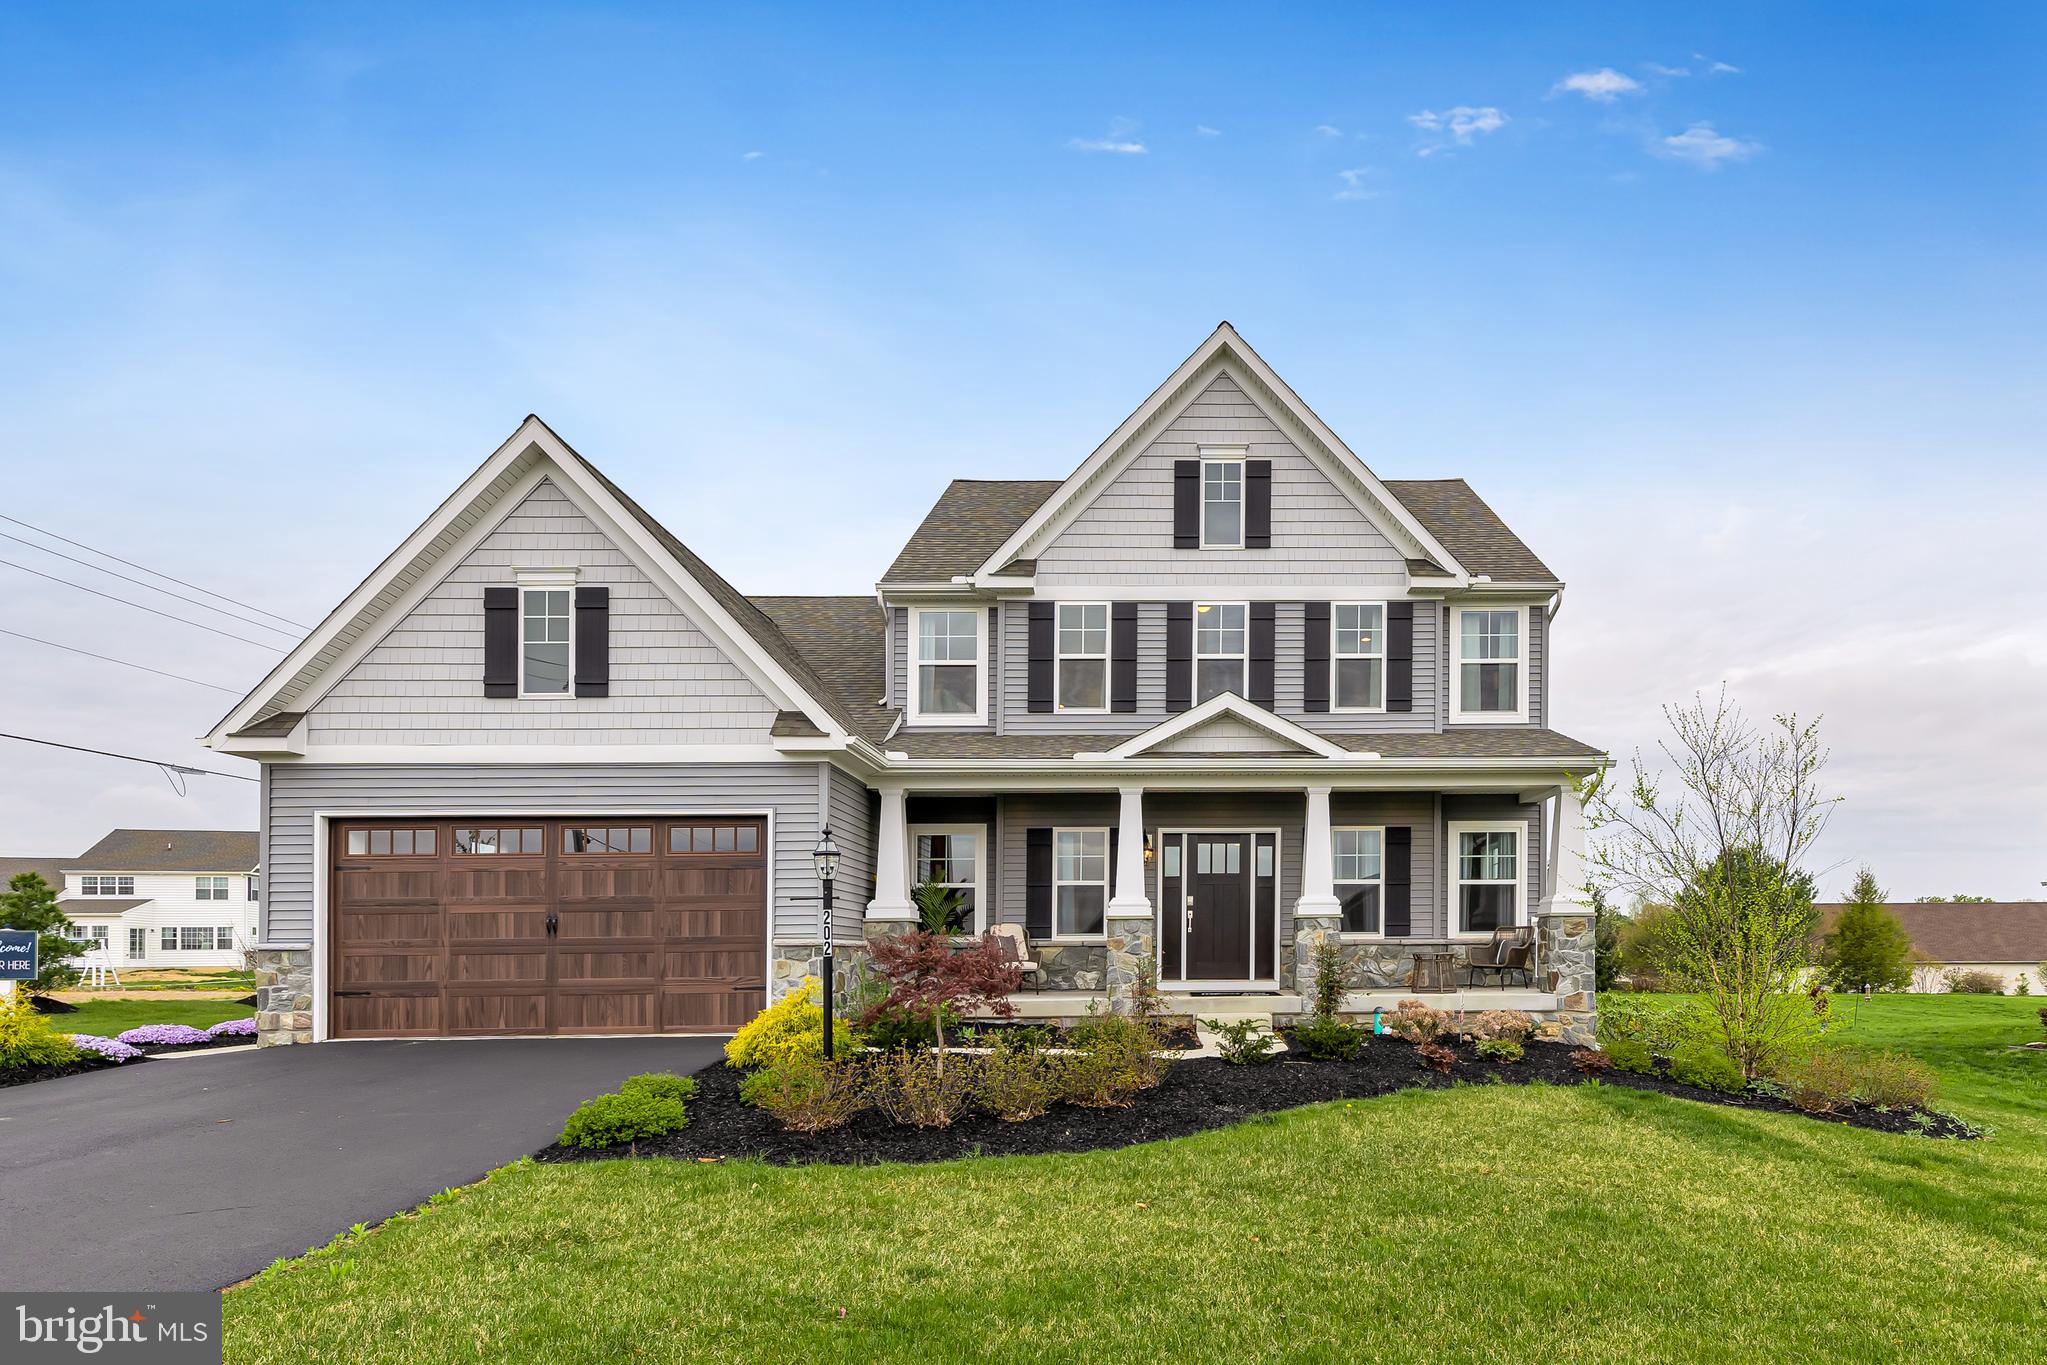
{"points": [[1217, 893]]}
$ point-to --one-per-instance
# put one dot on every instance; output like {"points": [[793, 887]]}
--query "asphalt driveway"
{"points": [[196, 1172]]}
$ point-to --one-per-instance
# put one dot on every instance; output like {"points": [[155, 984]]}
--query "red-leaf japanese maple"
{"points": [[927, 977]]}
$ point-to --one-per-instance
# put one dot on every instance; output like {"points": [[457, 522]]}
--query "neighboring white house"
{"points": [[165, 897], [2006, 939]]}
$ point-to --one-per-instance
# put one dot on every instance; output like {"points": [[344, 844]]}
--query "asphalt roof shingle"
{"points": [[51, 870], [969, 522], [842, 637], [1469, 529], [1996, 931], [1463, 742], [170, 850]]}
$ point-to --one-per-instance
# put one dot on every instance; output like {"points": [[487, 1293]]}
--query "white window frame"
{"points": [[1108, 873], [1060, 656], [979, 885], [185, 929], [138, 943], [98, 935], [1243, 658], [209, 888], [1334, 658], [255, 888], [917, 714], [1224, 455], [1522, 685], [1338, 881], [167, 938], [106, 884], [224, 938], [547, 580], [1456, 830]]}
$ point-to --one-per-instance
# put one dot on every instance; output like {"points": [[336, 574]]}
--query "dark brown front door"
{"points": [[1219, 931], [521, 925]]}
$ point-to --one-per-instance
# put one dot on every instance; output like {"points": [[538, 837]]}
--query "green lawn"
{"points": [[1490, 1223], [110, 1017]]}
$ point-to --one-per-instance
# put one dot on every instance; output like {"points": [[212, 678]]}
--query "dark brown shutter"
{"points": [[1263, 631], [1179, 655], [1040, 642], [1112, 865], [1186, 504], [500, 642], [1314, 656], [1399, 881], [1400, 656], [1038, 883], [1257, 504], [593, 640], [1123, 656]]}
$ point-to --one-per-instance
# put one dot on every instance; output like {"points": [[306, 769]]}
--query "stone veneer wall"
{"points": [[1565, 948], [284, 996]]}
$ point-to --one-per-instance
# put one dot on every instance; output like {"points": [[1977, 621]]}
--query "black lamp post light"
{"points": [[825, 858]]}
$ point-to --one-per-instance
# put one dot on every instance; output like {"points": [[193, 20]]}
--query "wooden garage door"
{"points": [[519, 925]]}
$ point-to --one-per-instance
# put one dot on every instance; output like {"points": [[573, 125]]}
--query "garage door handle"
{"points": [[553, 923]]}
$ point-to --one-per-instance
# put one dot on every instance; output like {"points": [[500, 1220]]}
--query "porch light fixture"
{"points": [[825, 858], [1147, 848]]}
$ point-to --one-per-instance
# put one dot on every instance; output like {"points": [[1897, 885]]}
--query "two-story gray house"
{"points": [[1219, 694]]}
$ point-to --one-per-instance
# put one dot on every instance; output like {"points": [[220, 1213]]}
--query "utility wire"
{"points": [[152, 762], [133, 565], [73, 649], [142, 583], [186, 620]]}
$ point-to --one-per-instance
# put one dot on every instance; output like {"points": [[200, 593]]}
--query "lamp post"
{"points": [[825, 858]]}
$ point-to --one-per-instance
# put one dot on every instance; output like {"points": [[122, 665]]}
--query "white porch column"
{"points": [[891, 861], [1130, 898], [1318, 873], [1567, 872], [1567, 944]]}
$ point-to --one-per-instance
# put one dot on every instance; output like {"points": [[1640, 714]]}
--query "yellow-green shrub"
{"points": [[791, 1027], [26, 1038]]}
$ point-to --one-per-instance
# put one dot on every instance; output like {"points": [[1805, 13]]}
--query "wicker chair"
{"points": [[1016, 949], [1507, 951]]}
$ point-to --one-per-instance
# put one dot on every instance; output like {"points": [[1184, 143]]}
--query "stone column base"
{"points": [[1310, 933], [1132, 953], [1566, 946], [284, 996]]}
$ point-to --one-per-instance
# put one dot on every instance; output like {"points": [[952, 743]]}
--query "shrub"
{"points": [[1097, 1080], [1124, 1041], [664, 1085], [162, 1035], [791, 1027], [2022, 984], [1017, 1085], [26, 1038], [1500, 1050], [932, 978], [807, 1094], [1416, 1022], [233, 1028], [1328, 1040], [919, 1088], [1024, 1039], [618, 1119], [1708, 1069], [1243, 1042], [1510, 1025], [1332, 978], [1591, 1061], [894, 1029], [111, 1049], [1974, 982], [1891, 1080], [1628, 1054], [1435, 1056], [1820, 1083]]}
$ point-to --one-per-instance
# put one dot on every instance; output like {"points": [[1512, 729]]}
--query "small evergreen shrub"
{"points": [[1332, 978], [1435, 1057], [1708, 1069], [660, 1084], [791, 1027], [1243, 1042], [1591, 1061], [27, 1039], [807, 1094], [1416, 1022], [1629, 1054], [1328, 1040], [894, 1028], [923, 1088], [1017, 1085], [1500, 1050], [619, 1119]]}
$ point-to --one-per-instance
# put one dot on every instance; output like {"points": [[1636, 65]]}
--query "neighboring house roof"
{"points": [[1459, 742], [842, 637], [170, 850], [970, 519], [1470, 530], [108, 905], [275, 726], [1996, 931], [50, 870]]}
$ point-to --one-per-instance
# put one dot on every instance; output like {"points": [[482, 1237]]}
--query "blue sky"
{"points": [[1735, 317]]}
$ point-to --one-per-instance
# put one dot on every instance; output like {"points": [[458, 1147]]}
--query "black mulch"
{"points": [[1196, 1095], [28, 1075], [1180, 1037], [159, 1049], [50, 1004]]}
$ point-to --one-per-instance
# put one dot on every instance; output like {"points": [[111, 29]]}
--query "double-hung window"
{"points": [[255, 888], [209, 888], [1485, 877], [950, 856], [1357, 656], [1359, 873], [1083, 659], [946, 686], [106, 886], [1491, 681], [1080, 882], [544, 626], [1219, 649], [1222, 503]]}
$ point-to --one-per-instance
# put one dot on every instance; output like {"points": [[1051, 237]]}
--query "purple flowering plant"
{"points": [[163, 1035], [233, 1028], [111, 1049]]}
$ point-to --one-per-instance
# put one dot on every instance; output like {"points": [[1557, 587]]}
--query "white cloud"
{"points": [[1714, 68], [1205, 131], [752, 156], [1658, 68], [1462, 124], [1121, 140], [1354, 186], [1328, 130], [1603, 86], [1705, 148]]}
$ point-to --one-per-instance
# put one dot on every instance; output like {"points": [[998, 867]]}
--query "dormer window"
{"points": [[951, 644], [1222, 502]]}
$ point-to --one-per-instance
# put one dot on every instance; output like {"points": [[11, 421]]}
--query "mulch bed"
{"points": [[159, 1049], [1196, 1095], [1178, 1037], [28, 1075]]}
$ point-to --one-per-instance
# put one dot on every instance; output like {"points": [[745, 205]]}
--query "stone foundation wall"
{"points": [[284, 996]]}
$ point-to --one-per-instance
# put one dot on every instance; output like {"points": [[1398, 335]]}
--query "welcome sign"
{"points": [[17, 954]]}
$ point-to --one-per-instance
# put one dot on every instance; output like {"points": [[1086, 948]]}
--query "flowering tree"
{"points": [[927, 977]]}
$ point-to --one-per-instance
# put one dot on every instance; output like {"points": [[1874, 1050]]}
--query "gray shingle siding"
{"points": [[422, 684]]}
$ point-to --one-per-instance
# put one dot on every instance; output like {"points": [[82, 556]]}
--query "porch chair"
{"points": [[1016, 950], [1508, 950]]}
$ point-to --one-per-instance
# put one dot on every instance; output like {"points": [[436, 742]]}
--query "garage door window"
{"points": [[516, 840], [714, 839], [389, 843], [614, 839]]}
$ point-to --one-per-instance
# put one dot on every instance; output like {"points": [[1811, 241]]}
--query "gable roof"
{"points": [[1461, 519], [970, 519], [1471, 742], [50, 870], [1998, 931], [170, 850], [842, 638], [1232, 714]]}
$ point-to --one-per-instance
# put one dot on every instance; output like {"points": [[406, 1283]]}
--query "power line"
{"points": [[133, 565], [152, 762], [73, 649], [140, 583], [185, 620]]}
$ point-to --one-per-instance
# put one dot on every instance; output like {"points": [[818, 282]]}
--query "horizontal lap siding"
{"points": [[1027, 811], [423, 683], [1289, 687], [852, 822], [1535, 651], [1417, 811], [293, 792], [1124, 537], [1018, 719], [1457, 808], [903, 675]]}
